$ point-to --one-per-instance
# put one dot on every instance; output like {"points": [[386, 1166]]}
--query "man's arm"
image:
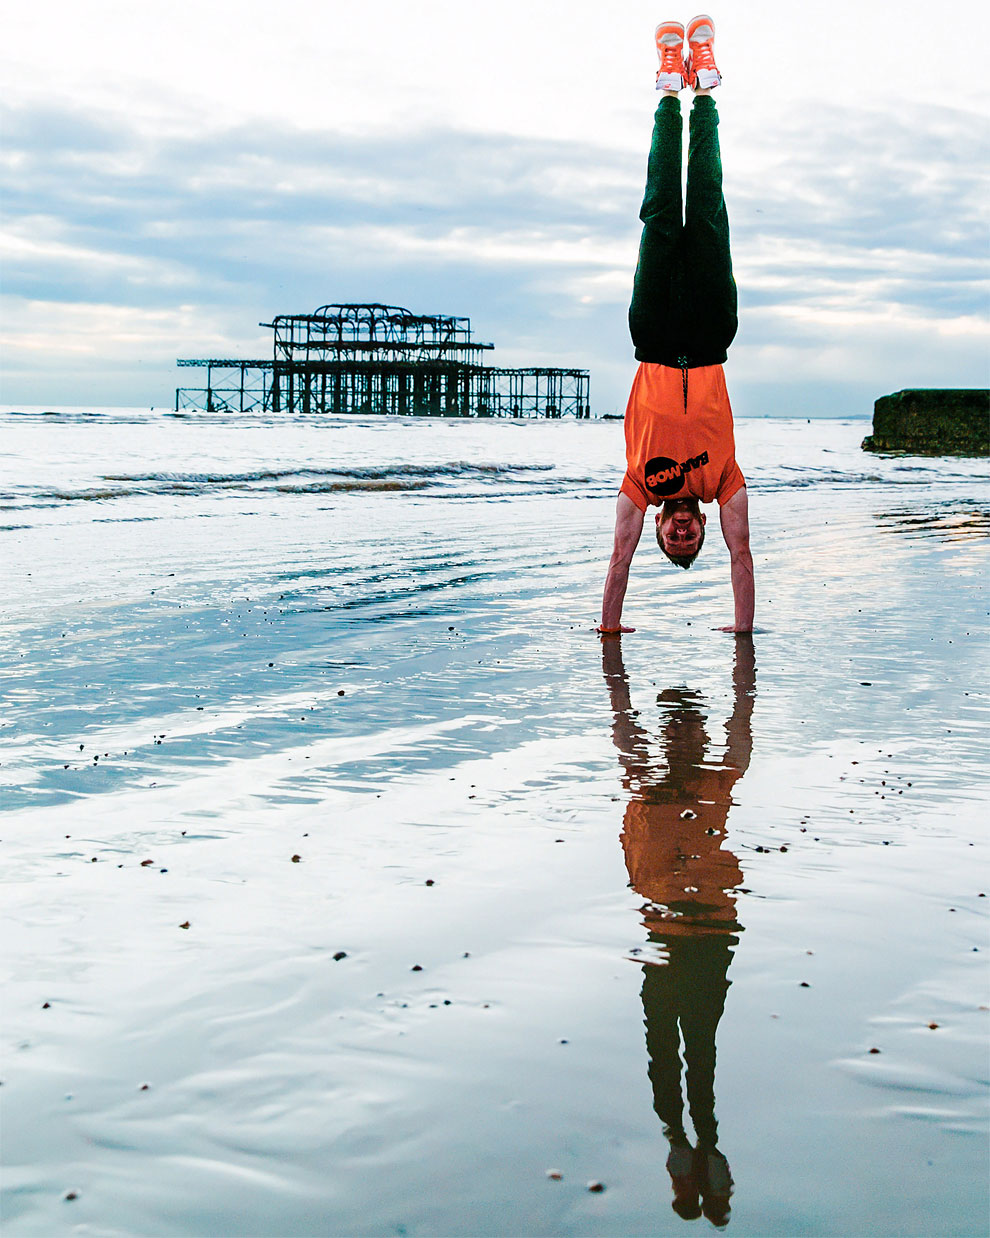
{"points": [[734, 516], [628, 527]]}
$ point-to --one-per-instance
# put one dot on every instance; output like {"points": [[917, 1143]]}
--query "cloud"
{"points": [[857, 235]]}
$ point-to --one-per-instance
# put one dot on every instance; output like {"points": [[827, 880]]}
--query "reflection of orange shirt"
{"points": [[671, 452], [676, 864]]}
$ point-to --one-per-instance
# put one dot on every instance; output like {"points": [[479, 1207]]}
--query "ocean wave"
{"points": [[447, 477], [454, 468], [178, 489], [760, 482]]}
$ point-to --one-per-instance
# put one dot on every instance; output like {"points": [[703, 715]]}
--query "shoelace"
{"points": [[671, 59], [702, 56]]}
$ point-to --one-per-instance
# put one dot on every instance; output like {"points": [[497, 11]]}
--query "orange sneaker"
{"points": [[702, 71], [670, 49]]}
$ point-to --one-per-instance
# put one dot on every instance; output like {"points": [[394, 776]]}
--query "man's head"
{"points": [[681, 530]]}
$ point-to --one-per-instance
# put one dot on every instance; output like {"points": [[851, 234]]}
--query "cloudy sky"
{"points": [[175, 173]]}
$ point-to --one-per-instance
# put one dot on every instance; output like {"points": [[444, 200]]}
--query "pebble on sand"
{"points": [[596, 1187], [554, 1175]]}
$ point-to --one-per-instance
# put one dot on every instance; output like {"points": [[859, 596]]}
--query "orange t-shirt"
{"points": [[671, 453]]}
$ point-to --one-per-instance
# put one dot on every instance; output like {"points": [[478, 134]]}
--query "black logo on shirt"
{"points": [[665, 477]]}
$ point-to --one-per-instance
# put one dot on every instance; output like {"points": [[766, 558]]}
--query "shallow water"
{"points": [[367, 645]]}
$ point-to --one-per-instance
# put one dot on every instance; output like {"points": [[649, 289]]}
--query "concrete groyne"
{"points": [[932, 422]]}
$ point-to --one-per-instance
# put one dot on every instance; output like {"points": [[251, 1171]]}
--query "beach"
{"points": [[354, 885]]}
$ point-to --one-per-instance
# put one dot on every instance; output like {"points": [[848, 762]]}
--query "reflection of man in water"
{"points": [[672, 835]]}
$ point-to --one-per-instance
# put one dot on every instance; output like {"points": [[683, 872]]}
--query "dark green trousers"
{"points": [[683, 310]]}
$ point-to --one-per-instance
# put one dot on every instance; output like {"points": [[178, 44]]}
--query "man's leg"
{"points": [[710, 290], [654, 314]]}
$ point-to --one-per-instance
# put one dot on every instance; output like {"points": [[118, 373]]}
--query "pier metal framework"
{"points": [[382, 359], [231, 386]]}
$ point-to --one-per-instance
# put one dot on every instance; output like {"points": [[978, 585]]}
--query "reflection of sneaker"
{"points": [[670, 49], [702, 71], [716, 1185], [681, 1167]]}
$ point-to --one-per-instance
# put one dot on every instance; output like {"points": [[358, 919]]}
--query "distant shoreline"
{"points": [[36, 410]]}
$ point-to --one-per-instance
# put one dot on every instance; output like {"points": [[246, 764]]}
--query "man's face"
{"points": [[680, 522]]}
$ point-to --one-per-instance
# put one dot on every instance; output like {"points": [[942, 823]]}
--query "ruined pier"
{"points": [[382, 359]]}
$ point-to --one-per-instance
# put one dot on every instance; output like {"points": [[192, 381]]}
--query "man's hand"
{"points": [[734, 517], [628, 527]]}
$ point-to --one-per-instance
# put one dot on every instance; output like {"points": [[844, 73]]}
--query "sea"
{"points": [[542, 933]]}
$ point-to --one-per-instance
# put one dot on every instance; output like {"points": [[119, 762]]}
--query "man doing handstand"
{"points": [[680, 450]]}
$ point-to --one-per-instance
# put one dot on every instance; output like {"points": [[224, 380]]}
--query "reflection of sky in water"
{"points": [[196, 645], [952, 520]]}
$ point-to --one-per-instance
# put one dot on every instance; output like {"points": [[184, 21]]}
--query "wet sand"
{"points": [[352, 883]]}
